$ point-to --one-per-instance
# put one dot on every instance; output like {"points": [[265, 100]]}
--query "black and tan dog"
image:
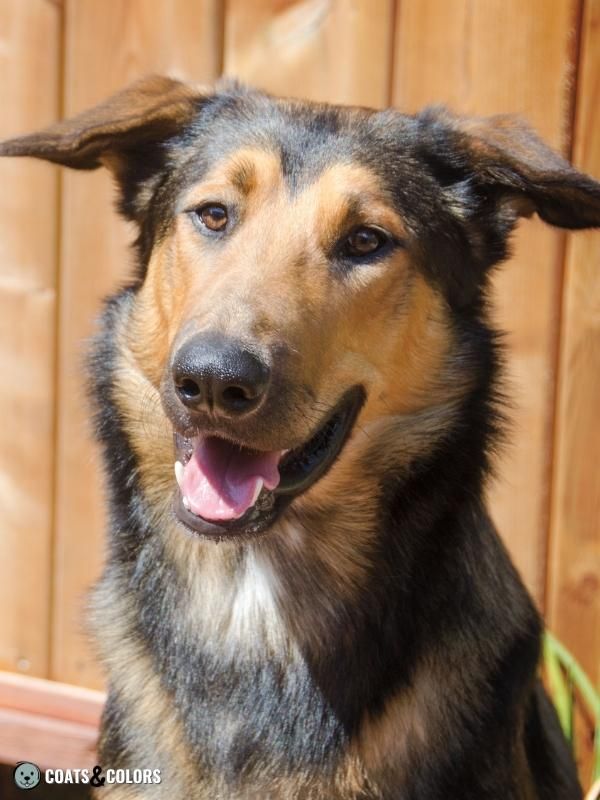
{"points": [[316, 604]]}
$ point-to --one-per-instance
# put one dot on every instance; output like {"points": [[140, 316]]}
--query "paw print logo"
{"points": [[27, 775]]}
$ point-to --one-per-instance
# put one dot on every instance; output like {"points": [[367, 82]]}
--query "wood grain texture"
{"points": [[49, 723], [47, 742], [337, 51], [51, 699], [574, 568], [29, 88], [103, 51], [485, 58]]}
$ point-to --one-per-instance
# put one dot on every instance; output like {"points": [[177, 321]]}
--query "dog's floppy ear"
{"points": [[503, 156], [151, 109], [489, 172], [125, 133]]}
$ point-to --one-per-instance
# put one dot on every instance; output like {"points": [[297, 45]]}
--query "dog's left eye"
{"points": [[364, 241], [212, 216]]}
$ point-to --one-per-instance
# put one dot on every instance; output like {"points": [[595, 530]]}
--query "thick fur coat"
{"points": [[362, 634]]}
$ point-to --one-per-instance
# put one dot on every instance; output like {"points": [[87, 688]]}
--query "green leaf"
{"points": [[558, 661]]}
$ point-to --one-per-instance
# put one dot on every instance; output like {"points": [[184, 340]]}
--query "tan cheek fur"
{"points": [[149, 431], [404, 347], [158, 311], [414, 389]]}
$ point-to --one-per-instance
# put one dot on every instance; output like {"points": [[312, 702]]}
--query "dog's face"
{"points": [[280, 303], [308, 271]]}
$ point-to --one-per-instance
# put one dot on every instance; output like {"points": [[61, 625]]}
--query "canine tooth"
{"points": [[185, 501], [179, 472], [258, 490]]}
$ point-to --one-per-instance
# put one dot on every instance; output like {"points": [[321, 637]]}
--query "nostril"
{"points": [[236, 396], [189, 389]]}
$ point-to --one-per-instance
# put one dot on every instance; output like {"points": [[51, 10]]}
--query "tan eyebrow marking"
{"points": [[347, 195], [245, 172], [243, 176]]}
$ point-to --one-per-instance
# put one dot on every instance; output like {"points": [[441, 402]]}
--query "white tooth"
{"points": [[179, 472], [258, 490], [186, 502]]}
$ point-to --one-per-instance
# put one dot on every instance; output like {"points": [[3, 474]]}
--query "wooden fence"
{"points": [[62, 249]]}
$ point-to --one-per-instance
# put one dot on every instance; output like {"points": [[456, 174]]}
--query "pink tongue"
{"points": [[222, 481]]}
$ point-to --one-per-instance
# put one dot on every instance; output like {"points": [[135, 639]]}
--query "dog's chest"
{"points": [[245, 696]]}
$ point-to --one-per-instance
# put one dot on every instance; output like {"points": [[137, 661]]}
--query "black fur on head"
{"points": [[460, 183]]}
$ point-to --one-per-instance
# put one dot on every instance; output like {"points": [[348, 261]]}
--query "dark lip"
{"points": [[300, 469]]}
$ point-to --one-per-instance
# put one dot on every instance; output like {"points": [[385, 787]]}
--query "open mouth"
{"points": [[226, 489]]}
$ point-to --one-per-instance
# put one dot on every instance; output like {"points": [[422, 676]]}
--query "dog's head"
{"points": [[306, 271]]}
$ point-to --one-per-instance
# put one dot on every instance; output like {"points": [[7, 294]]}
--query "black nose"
{"points": [[214, 372]]}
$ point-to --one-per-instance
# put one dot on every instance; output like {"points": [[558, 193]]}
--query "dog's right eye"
{"points": [[212, 216], [365, 242]]}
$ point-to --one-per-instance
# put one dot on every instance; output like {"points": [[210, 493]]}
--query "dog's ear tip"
{"points": [[27, 145], [158, 103], [9, 147], [17, 147], [48, 146]]}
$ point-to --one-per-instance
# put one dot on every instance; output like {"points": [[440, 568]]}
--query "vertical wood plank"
{"points": [[29, 87], [484, 58], [574, 566], [103, 51], [328, 50]]}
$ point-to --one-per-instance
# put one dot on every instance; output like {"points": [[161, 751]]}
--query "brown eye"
{"points": [[364, 241], [213, 216]]}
